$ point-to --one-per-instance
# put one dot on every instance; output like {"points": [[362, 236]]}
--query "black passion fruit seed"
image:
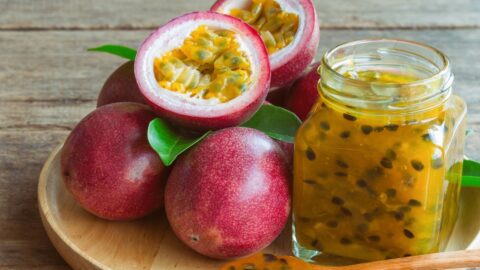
{"points": [[391, 127], [345, 134], [361, 183], [391, 192], [346, 212], [310, 154], [374, 238], [268, 257], [345, 241], [398, 215], [342, 164], [309, 182], [417, 165], [325, 125], [408, 234], [368, 217], [349, 117], [337, 200], [426, 137], [386, 163], [366, 129], [341, 174], [414, 203]]}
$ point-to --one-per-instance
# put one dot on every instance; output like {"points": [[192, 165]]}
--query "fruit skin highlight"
{"points": [[108, 165], [304, 94], [288, 63], [229, 195], [190, 113], [120, 86]]}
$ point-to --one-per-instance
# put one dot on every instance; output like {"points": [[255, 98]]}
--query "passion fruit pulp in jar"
{"points": [[377, 165]]}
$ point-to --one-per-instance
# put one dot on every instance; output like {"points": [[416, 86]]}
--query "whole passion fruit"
{"points": [[204, 70], [120, 86], [304, 94], [229, 195], [108, 165], [289, 28]]}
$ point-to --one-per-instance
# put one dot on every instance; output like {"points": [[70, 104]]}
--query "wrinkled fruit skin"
{"points": [[108, 165], [304, 94], [121, 86], [229, 195]]}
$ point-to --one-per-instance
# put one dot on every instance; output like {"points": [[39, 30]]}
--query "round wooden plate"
{"points": [[87, 242]]}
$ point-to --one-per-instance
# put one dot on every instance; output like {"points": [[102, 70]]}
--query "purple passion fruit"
{"points": [[121, 86], [229, 195], [204, 70], [108, 165], [304, 94]]}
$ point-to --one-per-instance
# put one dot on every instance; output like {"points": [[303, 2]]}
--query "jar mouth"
{"points": [[429, 67]]}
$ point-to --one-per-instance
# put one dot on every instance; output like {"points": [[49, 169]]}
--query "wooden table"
{"points": [[48, 81]]}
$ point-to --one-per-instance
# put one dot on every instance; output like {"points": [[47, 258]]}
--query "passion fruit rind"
{"points": [[289, 61], [191, 78]]}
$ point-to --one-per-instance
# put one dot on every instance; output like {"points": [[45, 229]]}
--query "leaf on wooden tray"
{"points": [[169, 143], [118, 50]]}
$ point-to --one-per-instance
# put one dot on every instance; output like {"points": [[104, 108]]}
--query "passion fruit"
{"points": [[304, 94], [108, 165], [120, 86], [289, 28], [229, 195], [204, 70]]}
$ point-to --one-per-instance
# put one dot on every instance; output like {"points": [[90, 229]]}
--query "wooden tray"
{"points": [[87, 242]]}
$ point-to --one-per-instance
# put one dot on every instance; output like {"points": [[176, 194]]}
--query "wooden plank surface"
{"points": [[126, 14], [48, 81]]}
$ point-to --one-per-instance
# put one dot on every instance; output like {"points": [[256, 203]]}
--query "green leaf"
{"points": [[167, 142], [276, 122], [471, 174], [117, 50]]}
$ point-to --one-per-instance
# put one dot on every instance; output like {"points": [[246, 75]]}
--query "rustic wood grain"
{"points": [[48, 82], [126, 14], [23, 242]]}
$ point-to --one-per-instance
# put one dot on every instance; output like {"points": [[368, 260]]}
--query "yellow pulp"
{"points": [[372, 187], [276, 27], [209, 64]]}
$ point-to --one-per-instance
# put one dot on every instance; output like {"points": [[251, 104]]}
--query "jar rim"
{"points": [[433, 87], [441, 72]]}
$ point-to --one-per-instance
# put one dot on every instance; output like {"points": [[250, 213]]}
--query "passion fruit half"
{"points": [[289, 28], [204, 70]]}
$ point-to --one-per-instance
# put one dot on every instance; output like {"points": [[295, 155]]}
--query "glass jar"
{"points": [[378, 163]]}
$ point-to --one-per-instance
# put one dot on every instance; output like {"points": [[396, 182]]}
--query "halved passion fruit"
{"points": [[204, 70], [289, 28]]}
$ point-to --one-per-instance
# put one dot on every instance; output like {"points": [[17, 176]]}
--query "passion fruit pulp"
{"points": [[204, 70], [289, 29]]}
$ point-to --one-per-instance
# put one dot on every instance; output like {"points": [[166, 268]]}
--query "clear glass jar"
{"points": [[377, 165]]}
